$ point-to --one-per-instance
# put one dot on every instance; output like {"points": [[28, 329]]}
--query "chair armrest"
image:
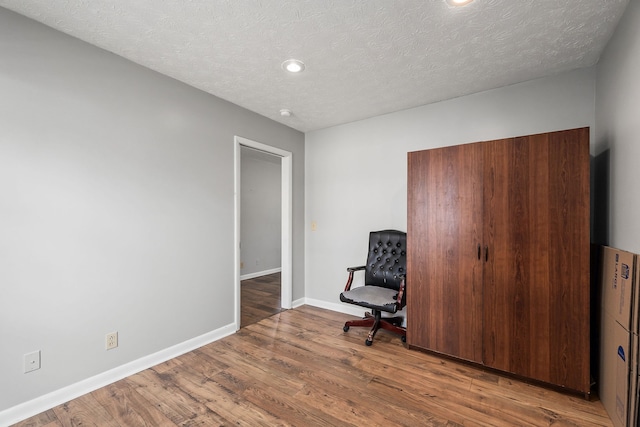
{"points": [[351, 270], [400, 295]]}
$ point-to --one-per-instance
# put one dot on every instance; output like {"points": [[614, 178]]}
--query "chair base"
{"points": [[375, 321]]}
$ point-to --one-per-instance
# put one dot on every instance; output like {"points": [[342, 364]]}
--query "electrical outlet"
{"points": [[112, 340], [31, 361], [241, 264]]}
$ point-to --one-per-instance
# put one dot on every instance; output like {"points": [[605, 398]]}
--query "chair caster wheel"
{"points": [[368, 342], [403, 338], [345, 328]]}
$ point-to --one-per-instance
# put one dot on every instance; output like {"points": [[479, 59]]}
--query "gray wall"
{"points": [[260, 230], [366, 187], [116, 208], [617, 147]]}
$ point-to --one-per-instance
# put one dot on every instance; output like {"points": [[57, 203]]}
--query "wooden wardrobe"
{"points": [[498, 255]]}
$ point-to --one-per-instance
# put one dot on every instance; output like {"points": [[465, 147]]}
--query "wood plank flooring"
{"points": [[259, 298], [299, 368]]}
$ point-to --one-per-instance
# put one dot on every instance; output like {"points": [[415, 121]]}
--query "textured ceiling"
{"points": [[364, 57]]}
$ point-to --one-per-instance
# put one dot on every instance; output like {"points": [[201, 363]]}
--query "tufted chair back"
{"points": [[386, 262]]}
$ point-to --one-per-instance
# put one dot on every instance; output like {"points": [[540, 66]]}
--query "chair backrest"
{"points": [[387, 259]]}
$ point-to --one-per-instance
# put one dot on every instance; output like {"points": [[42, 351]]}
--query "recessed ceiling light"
{"points": [[293, 66], [285, 112], [459, 2]]}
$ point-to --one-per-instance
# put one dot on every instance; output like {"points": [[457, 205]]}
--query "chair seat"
{"points": [[373, 297]]}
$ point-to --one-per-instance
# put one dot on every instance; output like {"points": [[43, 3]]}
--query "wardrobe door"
{"points": [[444, 240], [536, 276]]}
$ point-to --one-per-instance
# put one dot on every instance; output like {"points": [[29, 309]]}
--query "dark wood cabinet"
{"points": [[498, 255]]}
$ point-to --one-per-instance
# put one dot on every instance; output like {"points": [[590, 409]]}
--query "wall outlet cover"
{"points": [[31, 361], [112, 340]]}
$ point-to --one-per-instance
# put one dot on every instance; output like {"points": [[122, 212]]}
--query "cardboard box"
{"points": [[614, 370], [619, 349], [633, 381], [618, 278]]}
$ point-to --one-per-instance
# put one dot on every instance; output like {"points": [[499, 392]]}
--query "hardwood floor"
{"points": [[260, 298], [299, 368]]}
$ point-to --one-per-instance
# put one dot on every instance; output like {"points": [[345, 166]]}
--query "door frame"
{"points": [[286, 169]]}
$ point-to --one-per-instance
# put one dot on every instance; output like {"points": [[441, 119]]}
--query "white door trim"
{"points": [[286, 283]]}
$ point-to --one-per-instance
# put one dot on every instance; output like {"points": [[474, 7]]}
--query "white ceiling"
{"points": [[364, 57]]}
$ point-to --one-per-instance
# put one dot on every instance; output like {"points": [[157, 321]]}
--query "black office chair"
{"points": [[384, 284]]}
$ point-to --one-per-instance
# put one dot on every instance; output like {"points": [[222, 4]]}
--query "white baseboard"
{"points": [[297, 303], [260, 273], [40, 404], [334, 306], [348, 308]]}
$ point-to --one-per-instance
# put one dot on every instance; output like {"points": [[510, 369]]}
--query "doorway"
{"points": [[285, 273]]}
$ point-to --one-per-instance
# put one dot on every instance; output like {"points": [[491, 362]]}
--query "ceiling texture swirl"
{"points": [[362, 58]]}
